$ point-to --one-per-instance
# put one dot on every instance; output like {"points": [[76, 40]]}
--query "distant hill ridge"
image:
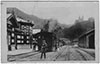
{"points": [[38, 22]]}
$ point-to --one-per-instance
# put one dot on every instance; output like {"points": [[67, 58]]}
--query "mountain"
{"points": [[87, 25], [38, 22]]}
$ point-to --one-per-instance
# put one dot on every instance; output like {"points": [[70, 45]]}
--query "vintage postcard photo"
{"points": [[44, 31]]}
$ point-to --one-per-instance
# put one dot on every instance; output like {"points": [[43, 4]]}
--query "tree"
{"points": [[78, 28], [46, 26]]}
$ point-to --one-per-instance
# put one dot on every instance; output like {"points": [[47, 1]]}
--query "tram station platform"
{"points": [[21, 50]]}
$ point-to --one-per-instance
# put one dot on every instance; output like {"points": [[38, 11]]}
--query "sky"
{"points": [[64, 12]]}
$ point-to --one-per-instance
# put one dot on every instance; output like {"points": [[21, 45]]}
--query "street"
{"points": [[65, 53]]}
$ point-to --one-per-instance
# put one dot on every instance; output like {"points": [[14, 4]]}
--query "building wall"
{"points": [[91, 42], [87, 41], [82, 42]]}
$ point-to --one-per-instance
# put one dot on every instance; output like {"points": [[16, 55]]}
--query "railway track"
{"points": [[21, 57], [29, 55], [79, 50], [18, 54], [63, 53], [81, 55], [59, 54], [92, 54], [68, 55]]}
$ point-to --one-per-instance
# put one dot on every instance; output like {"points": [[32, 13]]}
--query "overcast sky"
{"points": [[64, 12]]}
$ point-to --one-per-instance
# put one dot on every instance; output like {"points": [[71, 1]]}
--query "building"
{"points": [[47, 36], [87, 40], [18, 32], [12, 25], [75, 41]]}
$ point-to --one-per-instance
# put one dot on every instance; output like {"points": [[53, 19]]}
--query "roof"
{"points": [[8, 15], [36, 31], [64, 39], [26, 23], [44, 33], [9, 23], [12, 20], [87, 32], [75, 39], [20, 19]]}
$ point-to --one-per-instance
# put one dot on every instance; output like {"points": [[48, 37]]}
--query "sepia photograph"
{"points": [[50, 31]]}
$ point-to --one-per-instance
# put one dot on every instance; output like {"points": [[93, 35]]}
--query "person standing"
{"points": [[43, 49], [34, 46]]}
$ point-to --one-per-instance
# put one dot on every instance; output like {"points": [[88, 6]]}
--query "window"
{"points": [[22, 37], [12, 34], [18, 36], [27, 37], [18, 41], [9, 38], [27, 41], [33, 38], [12, 29], [22, 41], [12, 40]]}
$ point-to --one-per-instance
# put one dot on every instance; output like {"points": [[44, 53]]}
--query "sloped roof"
{"points": [[87, 32], [12, 20]]}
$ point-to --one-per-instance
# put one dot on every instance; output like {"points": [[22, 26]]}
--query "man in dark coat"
{"points": [[43, 49]]}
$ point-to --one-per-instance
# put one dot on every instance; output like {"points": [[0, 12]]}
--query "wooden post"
{"points": [[30, 40], [9, 41], [25, 38], [30, 36], [15, 40], [21, 38]]}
